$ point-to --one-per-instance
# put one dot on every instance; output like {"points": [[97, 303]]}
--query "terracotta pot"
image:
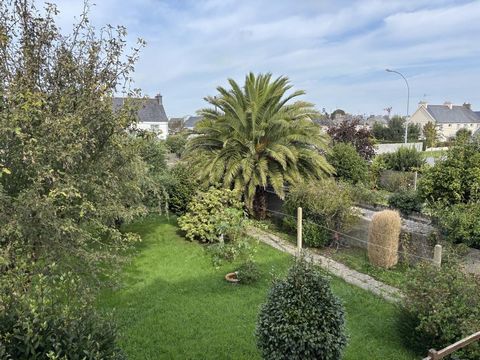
{"points": [[232, 277]]}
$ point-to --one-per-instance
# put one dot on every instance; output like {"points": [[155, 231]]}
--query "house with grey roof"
{"points": [[448, 118], [191, 121], [151, 114]]}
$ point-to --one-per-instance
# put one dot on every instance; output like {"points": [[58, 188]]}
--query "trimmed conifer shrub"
{"points": [[383, 238], [302, 318]]}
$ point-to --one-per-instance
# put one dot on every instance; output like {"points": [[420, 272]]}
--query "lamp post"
{"points": [[408, 100]]}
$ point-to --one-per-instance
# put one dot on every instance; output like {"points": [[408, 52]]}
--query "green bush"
{"points": [[404, 159], [230, 251], [49, 317], [394, 181], [248, 272], [181, 187], [325, 204], [455, 178], [363, 194], [441, 306], [213, 216], [348, 163], [460, 223], [301, 318], [405, 201], [176, 143]]}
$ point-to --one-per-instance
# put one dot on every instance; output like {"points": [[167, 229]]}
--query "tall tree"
{"points": [[431, 134], [254, 136], [351, 132], [70, 169]]}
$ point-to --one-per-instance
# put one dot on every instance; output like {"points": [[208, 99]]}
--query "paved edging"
{"points": [[351, 276]]}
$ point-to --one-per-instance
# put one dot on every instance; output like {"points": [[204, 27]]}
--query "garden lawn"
{"points": [[175, 305]]}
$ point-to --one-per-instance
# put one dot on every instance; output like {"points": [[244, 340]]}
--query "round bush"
{"points": [[348, 163], [301, 318], [405, 201]]}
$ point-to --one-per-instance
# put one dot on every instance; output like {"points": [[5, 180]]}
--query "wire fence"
{"points": [[343, 235]]}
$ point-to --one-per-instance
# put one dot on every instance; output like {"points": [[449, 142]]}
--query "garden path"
{"points": [[351, 276]]}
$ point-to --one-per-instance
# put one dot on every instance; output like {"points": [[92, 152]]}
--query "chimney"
{"points": [[423, 104], [159, 98], [467, 105], [448, 104]]}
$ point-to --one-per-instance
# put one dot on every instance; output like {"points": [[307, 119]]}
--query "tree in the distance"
{"points": [[395, 130], [254, 136], [352, 133], [431, 134]]}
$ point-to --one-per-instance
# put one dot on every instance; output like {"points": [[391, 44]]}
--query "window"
{"points": [[155, 127]]}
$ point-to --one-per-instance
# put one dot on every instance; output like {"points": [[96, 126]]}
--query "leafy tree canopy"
{"points": [[351, 132], [70, 170]]}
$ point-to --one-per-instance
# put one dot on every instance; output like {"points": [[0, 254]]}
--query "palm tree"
{"points": [[253, 137]]}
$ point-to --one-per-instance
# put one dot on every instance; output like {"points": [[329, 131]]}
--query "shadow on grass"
{"points": [[175, 304]]}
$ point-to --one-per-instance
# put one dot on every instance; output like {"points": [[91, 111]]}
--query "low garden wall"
{"points": [[416, 237]]}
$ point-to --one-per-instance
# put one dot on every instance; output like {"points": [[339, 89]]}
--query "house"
{"points": [[448, 118], [151, 114], [191, 121]]}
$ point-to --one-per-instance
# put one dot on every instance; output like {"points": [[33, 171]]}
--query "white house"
{"points": [[448, 118], [151, 114]]}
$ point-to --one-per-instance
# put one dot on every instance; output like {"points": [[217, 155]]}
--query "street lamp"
{"points": [[408, 100]]}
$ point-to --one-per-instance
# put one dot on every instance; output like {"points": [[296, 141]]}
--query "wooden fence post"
{"points": [[415, 179], [299, 231], [437, 255]]}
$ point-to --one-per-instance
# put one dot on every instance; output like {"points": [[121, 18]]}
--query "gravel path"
{"points": [[353, 277]]}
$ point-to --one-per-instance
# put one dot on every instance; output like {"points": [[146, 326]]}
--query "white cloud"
{"points": [[336, 50]]}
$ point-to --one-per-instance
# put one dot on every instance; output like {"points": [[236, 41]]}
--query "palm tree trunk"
{"points": [[260, 203]]}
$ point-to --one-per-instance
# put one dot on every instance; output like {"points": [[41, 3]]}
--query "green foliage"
{"points": [[180, 186], [395, 181], [406, 201], [363, 194], [455, 178], [463, 135], [241, 248], [176, 143], [51, 317], [441, 306], [302, 318], [248, 272], [213, 215], [74, 171], [460, 223], [325, 204], [152, 151], [253, 138], [349, 131], [431, 134], [348, 164], [377, 166], [404, 159], [394, 131]]}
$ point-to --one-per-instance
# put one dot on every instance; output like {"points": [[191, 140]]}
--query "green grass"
{"points": [[175, 305], [355, 258]]}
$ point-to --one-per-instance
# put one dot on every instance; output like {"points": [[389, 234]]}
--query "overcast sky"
{"points": [[337, 51]]}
